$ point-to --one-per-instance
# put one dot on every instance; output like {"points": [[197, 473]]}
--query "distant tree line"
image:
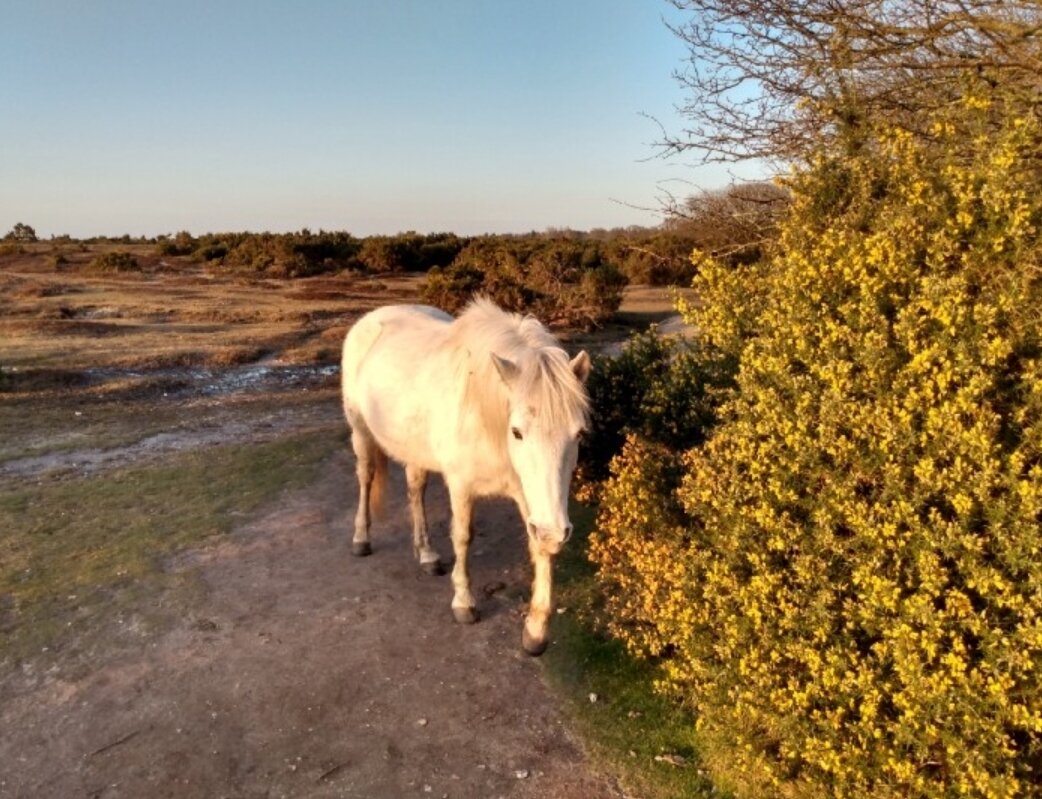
{"points": [[566, 276], [734, 224]]}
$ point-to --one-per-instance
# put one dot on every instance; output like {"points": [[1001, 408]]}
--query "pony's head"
{"points": [[548, 410]]}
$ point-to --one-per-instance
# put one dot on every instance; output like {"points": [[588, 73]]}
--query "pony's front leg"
{"points": [[535, 635], [462, 600]]}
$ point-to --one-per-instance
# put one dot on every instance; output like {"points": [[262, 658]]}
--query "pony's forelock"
{"points": [[545, 378]]}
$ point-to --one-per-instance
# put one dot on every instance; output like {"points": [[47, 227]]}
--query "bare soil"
{"points": [[290, 669], [299, 670]]}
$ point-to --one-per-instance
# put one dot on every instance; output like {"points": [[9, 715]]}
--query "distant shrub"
{"points": [[117, 261], [660, 259], [11, 248], [181, 244], [213, 251], [290, 255], [561, 281], [409, 252], [21, 232], [59, 260]]}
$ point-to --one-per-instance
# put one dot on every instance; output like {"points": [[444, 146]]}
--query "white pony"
{"points": [[492, 402]]}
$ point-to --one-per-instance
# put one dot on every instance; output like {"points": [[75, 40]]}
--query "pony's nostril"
{"points": [[549, 535]]}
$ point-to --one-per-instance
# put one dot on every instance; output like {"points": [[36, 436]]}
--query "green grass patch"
{"points": [[641, 737], [72, 549], [32, 428]]}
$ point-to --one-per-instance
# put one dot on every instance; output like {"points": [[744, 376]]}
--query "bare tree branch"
{"points": [[770, 78]]}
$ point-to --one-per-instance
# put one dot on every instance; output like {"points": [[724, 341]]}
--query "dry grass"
{"points": [[57, 321]]}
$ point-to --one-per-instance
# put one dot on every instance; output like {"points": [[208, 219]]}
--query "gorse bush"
{"points": [[846, 586], [663, 388]]}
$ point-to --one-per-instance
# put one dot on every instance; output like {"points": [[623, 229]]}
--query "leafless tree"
{"points": [[768, 78], [734, 223]]}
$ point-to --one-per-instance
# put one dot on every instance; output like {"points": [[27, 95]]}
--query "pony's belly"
{"points": [[410, 455], [403, 440]]}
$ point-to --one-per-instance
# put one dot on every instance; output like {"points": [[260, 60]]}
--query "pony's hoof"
{"points": [[361, 548], [532, 645], [465, 615], [433, 568]]}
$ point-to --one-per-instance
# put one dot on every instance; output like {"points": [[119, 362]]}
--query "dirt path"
{"points": [[299, 671]]}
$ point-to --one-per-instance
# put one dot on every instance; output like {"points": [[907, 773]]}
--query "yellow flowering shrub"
{"points": [[845, 580]]}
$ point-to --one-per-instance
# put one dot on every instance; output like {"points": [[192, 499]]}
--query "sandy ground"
{"points": [[298, 671]]}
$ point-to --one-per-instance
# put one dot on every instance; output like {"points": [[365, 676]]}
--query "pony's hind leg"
{"points": [[416, 478], [462, 599], [371, 466]]}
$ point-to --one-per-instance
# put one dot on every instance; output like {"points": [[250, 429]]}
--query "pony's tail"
{"points": [[378, 488]]}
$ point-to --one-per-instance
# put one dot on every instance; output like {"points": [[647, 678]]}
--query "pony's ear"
{"points": [[581, 366], [507, 369]]}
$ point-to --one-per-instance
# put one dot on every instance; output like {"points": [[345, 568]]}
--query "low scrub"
{"points": [[117, 261]]}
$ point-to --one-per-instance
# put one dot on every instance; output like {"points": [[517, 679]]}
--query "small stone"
{"points": [[493, 588], [593, 698], [427, 789], [421, 722], [521, 774]]}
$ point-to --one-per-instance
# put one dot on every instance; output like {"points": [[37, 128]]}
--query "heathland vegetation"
{"points": [[570, 278], [824, 526]]}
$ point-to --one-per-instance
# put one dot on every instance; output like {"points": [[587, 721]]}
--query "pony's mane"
{"points": [[545, 380]]}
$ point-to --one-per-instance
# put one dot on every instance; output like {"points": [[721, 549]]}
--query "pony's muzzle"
{"points": [[549, 538]]}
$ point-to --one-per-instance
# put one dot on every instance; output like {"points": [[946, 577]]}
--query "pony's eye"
{"points": [[517, 433]]}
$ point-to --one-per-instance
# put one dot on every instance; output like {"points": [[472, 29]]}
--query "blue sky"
{"points": [[372, 117]]}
